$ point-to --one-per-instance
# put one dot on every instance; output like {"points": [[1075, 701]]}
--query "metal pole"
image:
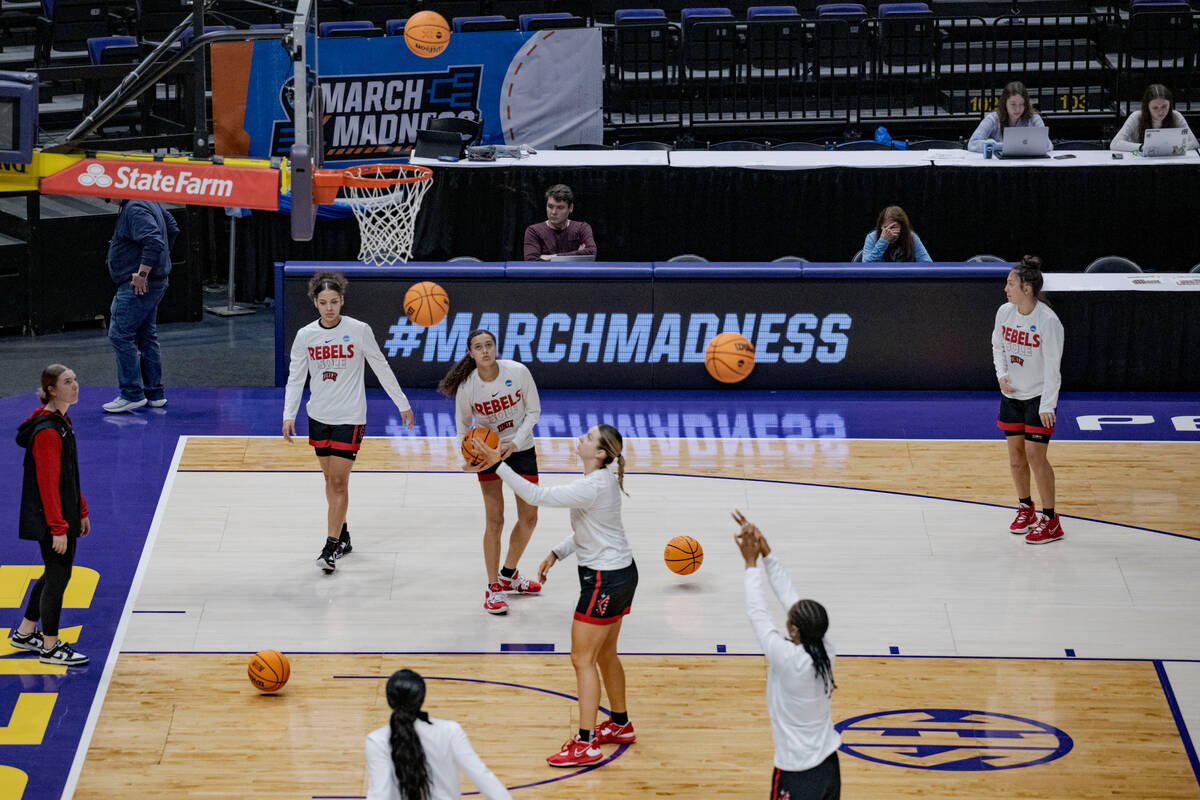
{"points": [[231, 309]]}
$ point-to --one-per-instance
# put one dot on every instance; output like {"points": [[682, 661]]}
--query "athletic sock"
{"points": [[585, 736], [621, 718], [1049, 512], [1026, 501], [345, 530], [507, 573]]}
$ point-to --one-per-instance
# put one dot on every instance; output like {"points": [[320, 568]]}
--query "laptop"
{"points": [[1163, 142], [572, 258], [1026, 143]]}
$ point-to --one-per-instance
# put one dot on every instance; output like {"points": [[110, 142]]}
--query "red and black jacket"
{"points": [[51, 503]]}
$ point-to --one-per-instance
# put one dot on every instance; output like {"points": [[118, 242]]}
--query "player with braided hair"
{"points": [[799, 677]]}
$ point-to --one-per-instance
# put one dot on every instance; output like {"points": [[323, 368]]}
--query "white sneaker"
{"points": [[63, 655], [120, 405], [162, 401]]}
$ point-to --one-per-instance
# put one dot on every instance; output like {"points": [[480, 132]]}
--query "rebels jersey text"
{"points": [[509, 405], [1028, 349], [332, 359]]}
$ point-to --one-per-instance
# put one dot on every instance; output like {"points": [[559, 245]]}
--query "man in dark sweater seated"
{"points": [[559, 235]]}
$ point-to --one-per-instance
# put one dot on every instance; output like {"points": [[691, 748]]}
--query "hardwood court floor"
{"points": [[1143, 484], [190, 725]]}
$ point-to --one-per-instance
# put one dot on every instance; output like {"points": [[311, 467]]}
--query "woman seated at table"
{"points": [[893, 239], [1015, 110], [1157, 111]]}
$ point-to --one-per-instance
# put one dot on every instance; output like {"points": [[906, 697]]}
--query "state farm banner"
{"points": [[173, 182], [542, 88]]}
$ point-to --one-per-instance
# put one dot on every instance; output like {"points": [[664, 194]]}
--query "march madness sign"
{"points": [[540, 88]]}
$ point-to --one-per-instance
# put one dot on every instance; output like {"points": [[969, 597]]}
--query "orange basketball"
{"points": [[427, 33], [489, 437], [269, 670], [683, 555], [729, 357], [426, 303]]}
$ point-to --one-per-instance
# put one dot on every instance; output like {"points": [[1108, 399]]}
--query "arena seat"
{"points": [[487, 22], [348, 28], [550, 21], [113, 50]]}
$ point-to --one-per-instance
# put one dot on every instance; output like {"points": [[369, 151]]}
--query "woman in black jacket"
{"points": [[53, 513]]}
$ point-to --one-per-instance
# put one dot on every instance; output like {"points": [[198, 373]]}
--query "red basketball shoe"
{"points": [[1027, 520], [493, 601], [576, 753], [612, 733], [518, 584], [1048, 530]]}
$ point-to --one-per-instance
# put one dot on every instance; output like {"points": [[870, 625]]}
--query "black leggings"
{"points": [[822, 782], [46, 599]]}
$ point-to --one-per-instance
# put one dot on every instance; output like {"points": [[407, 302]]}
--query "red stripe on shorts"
{"points": [[595, 593], [1031, 429], [344, 446], [1010, 426], [600, 620], [322, 443], [775, 784]]}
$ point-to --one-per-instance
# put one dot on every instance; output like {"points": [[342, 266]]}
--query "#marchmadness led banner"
{"points": [[631, 333], [541, 88]]}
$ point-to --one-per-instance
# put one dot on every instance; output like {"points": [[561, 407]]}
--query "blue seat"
{"points": [[842, 10], [112, 49], [639, 15], [266, 26], [903, 9], [550, 21], [348, 28], [395, 27], [709, 40], [487, 22], [865, 144], [697, 14], [758, 12]]}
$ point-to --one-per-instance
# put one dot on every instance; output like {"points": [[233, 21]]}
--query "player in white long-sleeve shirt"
{"points": [[331, 353], [608, 578], [499, 395], [418, 756], [799, 678], [1027, 345]]}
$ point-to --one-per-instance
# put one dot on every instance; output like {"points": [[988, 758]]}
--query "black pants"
{"points": [[822, 782], [46, 599]]}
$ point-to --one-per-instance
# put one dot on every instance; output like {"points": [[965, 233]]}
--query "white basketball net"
{"points": [[386, 215]]}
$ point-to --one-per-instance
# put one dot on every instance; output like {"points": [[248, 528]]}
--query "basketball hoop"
{"points": [[385, 199]]}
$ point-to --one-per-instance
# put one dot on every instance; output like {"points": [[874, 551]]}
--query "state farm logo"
{"points": [[95, 176]]}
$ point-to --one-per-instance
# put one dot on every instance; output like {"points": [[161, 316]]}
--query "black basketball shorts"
{"points": [[605, 595], [1021, 417], [335, 440], [522, 462]]}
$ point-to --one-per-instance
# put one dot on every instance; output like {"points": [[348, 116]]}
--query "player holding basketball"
{"points": [[799, 678], [500, 395], [331, 352], [1027, 343], [608, 578]]}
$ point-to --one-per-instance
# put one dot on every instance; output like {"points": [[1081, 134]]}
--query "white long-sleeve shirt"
{"points": [[797, 699], [1126, 138], [1028, 349], [598, 537], [509, 405], [333, 359], [447, 750]]}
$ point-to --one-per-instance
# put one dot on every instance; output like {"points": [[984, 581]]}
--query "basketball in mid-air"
{"points": [[729, 357], [269, 670], [427, 33], [426, 303], [683, 555], [487, 435]]}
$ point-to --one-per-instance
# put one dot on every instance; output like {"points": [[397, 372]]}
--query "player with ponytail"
{"points": [[608, 578], [416, 756], [799, 677]]}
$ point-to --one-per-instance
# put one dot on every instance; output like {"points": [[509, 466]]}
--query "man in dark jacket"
{"points": [[139, 261]]}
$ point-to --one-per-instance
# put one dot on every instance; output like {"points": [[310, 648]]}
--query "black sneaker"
{"points": [[344, 547], [63, 655], [328, 558], [28, 641]]}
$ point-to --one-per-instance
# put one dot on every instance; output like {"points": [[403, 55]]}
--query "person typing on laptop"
{"points": [[559, 235], [1157, 111], [1015, 110]]}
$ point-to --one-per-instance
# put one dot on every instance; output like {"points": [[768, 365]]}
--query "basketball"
{"points": [[427, 33], [269, 670], [683, 555], [489, 437], [426, 303], [729, 357]]}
